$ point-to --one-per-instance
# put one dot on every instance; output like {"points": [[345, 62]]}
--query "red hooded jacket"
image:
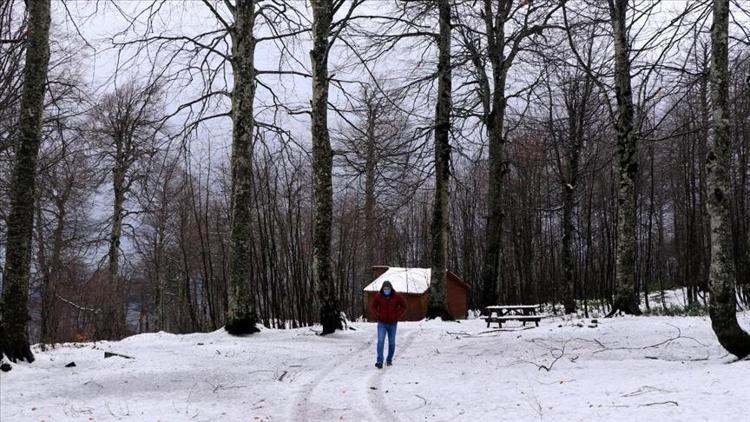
{"points": [[388, 309]]}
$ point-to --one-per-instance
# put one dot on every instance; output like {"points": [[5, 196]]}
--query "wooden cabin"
{"points": [[414, 285]]}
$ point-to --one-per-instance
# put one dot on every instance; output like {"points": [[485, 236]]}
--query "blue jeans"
{"points": [[390, 329]]}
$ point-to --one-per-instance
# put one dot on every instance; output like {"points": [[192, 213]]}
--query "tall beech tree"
{"points": [[322, 167], [14, 314], [723, 305], [629, 125], [237, 27], [437, 306], [504, 29], [626, 299], [324, 34], [127, 123], [241, 315]]}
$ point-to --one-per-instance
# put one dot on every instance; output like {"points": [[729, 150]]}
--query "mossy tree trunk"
{"points": [[438, 302], [625, 299], [330, 315], [241, 315], [14, 314], [723, 306]]}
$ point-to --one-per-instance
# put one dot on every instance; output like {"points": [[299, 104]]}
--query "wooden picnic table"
{"points": [[504, 313]]}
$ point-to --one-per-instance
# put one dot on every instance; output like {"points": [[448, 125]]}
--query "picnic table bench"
{"points": [[504, 313]]}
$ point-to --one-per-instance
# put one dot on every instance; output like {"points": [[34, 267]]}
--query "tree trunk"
{"points": [[703, 236], [438, 300], [723, 307], [54, 268], [322, 168], [370, 171], [14, 313], [370, 221], [625, 299], [568, 263], [45, 271], [241, 313], [495, 122], [578, 97], [648, 273], [111, 322]]}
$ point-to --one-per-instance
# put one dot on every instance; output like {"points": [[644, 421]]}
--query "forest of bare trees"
{"points": [[235, 163]]}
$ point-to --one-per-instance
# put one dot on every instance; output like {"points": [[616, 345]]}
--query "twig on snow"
{"points": [[659, 403], [679, 336], [645, 390], [219, 387], [556, 352], [504, 330]]}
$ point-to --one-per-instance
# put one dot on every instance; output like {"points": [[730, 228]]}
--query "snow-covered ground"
{"points": [[627, 368]]}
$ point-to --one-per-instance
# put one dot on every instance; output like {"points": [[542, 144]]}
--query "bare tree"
{"points": [[626, 299], [325, 31], [723, 306], [14, 313], [507, 29], [437, 306], [227, 47], [166, 291], [12, 49], [128, 123], [241, 315], [377, 149], [572, 110], [62, 223]]}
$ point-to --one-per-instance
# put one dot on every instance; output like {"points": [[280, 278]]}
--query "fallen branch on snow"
{"points": [[659, 403], [605, 348], [556, 352], [646, 389], [504, 330], [218, 387]]}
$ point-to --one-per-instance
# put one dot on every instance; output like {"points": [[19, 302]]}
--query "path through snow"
{"points": [[340, 389], [629, 368]]}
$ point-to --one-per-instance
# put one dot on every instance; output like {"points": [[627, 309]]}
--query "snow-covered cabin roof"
{"points": [[404, 280]]}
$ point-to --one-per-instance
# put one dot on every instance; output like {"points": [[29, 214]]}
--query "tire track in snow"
{"points": [[375, 393], [301, 406]]}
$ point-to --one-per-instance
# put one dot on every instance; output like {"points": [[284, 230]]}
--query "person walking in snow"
{"points": [[388, 307]]}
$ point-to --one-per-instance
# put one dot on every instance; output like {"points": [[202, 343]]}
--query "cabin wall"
{"points": [[458, 299]]}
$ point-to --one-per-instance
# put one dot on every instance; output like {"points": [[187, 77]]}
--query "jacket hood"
{"points": [[387, 284]]}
